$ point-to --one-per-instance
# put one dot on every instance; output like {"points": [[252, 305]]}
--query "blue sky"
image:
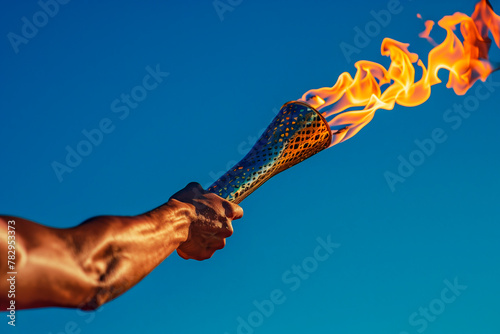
{"points": [[397, 250]]}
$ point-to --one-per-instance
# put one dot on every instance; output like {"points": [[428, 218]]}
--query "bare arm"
{"points": [[90, 264]]}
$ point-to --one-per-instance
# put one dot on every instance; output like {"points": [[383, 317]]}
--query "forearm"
{"points": [[92, 263], [130, 249]]}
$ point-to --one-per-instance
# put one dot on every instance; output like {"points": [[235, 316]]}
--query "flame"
{"points": [[429, 24], [466, 60]]}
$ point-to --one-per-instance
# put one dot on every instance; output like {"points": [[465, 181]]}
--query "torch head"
{"points": [[298, 132]]}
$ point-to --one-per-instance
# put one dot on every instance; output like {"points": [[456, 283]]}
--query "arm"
{"points": [[93, 263]]}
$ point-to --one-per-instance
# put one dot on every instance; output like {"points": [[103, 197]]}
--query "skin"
{"points": [[90, 264]]}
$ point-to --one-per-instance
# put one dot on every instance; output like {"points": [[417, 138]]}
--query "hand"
{"points": [[210, 218]]}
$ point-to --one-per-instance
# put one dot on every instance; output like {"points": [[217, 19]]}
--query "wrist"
{"points": [[173, 218]]}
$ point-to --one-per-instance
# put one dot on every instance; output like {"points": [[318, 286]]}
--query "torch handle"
{"points": [[298, 132]]}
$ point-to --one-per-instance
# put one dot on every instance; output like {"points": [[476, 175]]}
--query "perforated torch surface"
{"points": [[296, 133]]}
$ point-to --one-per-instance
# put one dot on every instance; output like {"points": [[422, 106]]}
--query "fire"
{"points": [[429, 24], [465, 58]]}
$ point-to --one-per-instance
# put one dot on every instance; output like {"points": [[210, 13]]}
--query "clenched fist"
{"points": [[210, 220]]}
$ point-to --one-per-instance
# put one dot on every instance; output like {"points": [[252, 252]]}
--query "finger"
{"points": [[238, 211], [216, 244], [182, 254], [204, 254], [209, 252], [226, 230], [232, 211]]}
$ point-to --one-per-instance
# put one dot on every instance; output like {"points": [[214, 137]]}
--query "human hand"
{"points": [[210, 219]]}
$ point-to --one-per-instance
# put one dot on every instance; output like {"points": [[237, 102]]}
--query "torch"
{"points": [[301, 129], [298, 132]]}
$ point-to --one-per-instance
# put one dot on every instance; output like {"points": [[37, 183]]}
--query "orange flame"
{"points": [[467, 61], [427, 32]]}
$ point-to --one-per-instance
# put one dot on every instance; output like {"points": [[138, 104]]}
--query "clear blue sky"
{"points": [[226, 79]]}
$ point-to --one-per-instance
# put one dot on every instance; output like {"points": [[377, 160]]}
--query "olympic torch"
{"points": [[301, 130], [298, 132]]}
